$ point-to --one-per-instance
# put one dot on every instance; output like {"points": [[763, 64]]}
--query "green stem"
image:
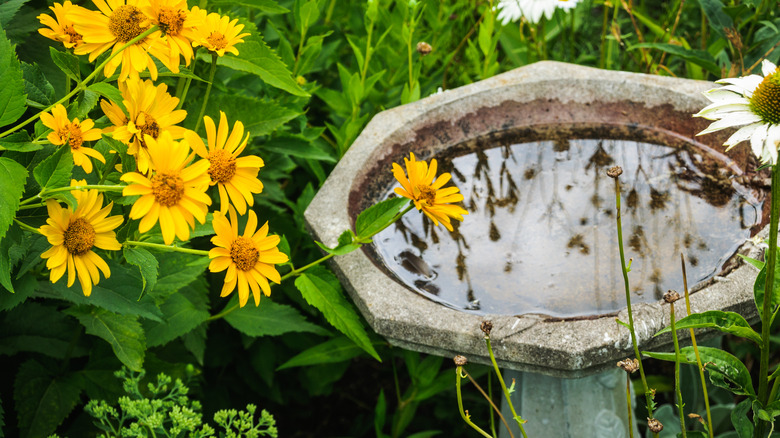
{"points": [[628, 403], [696, 351], [295, 272], [184, 92], [108, 168], [766, 313], [517, 418], [648, 395], [677, 371], [466, 418], [82, 84], [24, 226], [102, 188], [212, 71], [223, 313], [161, 247]]}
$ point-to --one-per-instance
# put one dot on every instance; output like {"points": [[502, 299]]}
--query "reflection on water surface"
{"points": [[540, 235]]}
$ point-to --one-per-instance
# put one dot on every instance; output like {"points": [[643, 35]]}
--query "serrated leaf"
{"points": [[375, 218], [122, 332], [24, 330], [145, 262], [9, 256], [108, 91], [727, 322], [12, 179], [178, 271], [67, 62], [182, 312], [322, 290], [8, 9], [338, 349], [267, 6], [118, 293], [56, 170], [270, 319], [260, 60], [83, 104], [12, 96], [43, 398], [260, 117], [298, 147], [38, 89], [20, 142], [195, 342]]}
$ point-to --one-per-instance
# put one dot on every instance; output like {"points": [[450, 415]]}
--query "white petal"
{"points": [[767, 68], [733, 120], [722, 109], [741, 135], [747, 83], [757, 141]]}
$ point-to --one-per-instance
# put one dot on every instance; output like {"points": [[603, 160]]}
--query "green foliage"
{"points": [[727, 322], [12, 93]]}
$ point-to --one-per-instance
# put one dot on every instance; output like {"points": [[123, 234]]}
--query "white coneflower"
{"points": [[532, 10]]}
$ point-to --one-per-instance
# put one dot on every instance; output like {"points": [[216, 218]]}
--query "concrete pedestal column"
{"points": [[588, 407]]}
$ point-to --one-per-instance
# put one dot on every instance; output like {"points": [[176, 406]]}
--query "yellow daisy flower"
{"points": [[177, 25], [73, 235], [152, 111], [118, 22], [249, 259], [427, 195], [61, 29], [235, 178], [217, 33], [74, 134], [174, 194]]}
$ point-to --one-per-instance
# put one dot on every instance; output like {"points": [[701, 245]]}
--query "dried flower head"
{"points": [[654, 425], [486, 327], [424, 48], [629, 365], [460, 360], [671, 296], [614, 171]]}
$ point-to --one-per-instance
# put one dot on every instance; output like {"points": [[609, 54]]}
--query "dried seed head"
{"points": [[614, 171], [424, 48], [654, 425], [460, 360], [629, 365], [696, 417], [486, 327], [671, 296]]}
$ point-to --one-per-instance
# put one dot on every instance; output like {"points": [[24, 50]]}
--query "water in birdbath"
{"points": [[540, 236]]}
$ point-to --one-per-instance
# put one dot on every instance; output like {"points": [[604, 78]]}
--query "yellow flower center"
{"points": [[766, 98], [125, 23], [79, 237], [171, 21], [71, 134], [222, 166], [217, 41], [244, 253], [148, 126], [74, 37], [167, 188], [427, 194]]}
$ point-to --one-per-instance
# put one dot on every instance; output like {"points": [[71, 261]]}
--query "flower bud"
{"points": [[424, 48]]}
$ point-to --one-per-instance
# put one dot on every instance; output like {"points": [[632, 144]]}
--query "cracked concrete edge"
{"points": [[530, 342]]}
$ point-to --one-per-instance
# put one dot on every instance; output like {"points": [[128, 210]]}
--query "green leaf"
{"points": [[299, 147], [322, 290], [122, 332], [12, 178], [375, 218], [179, 270], [12, 96], [259, 116], [725, 370], [118, 293], [20, 142], [108, 91], [43, 397], [182, 312], [345, 245], [81, 107], [758, 264], [740, 420], [8, 256], [718, 19], [338, 349], [195, 342], [260, 60], [67, 62], [727, 322], [759, 285], [266, 6], [56, 170], [146, 263], [380, 414], [701, 58], [38, 89], [8, 9], [23, 331], [269, 319]]}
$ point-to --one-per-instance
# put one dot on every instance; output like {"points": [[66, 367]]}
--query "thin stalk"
{"points": [[492, 419], [628, 403], [223, 313], [161, 247], [108, 168], [183, 95], [624, 269], [766, 313], [604, 24], [517, 418], [696, 350], [677, 391], [102, 188], [212, 71], [83, 83], [466, 417], [24, 226], [490, 400]]}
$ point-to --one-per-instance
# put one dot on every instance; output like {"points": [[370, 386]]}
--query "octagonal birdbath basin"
{"points": [[537, 255]]}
